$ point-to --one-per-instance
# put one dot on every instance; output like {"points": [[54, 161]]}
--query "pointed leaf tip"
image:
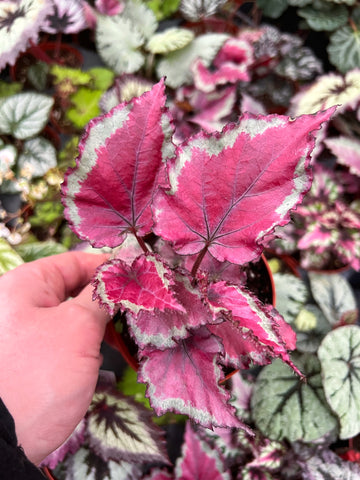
{"points": [[120, 166], [229, 190]]}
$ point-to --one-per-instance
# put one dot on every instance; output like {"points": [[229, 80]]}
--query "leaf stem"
{"points": [[199, 260], [141, 243]]}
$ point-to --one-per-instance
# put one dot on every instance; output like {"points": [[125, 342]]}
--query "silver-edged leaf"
{"points": [[25, 114], [20, 22], [334, 296], [283, 406], [86, 465], [176, 65], [37, 157], [339, 354], [118, 428]]}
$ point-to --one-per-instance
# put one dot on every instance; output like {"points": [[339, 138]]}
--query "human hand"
{"points": [[49, 347]]}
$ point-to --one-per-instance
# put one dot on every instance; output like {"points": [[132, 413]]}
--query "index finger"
{"points": [[51, 280]]}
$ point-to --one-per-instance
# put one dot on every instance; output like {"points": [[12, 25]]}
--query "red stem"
{"points": [[116, 341], [39, 53], [141, 243], [199, 260]]}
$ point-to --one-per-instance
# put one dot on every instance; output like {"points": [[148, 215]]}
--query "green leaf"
{"points": [[46, 214], [37, 75], [272, 8], [347, 2], [299, 3], [142, 17], [117, 42], [8, 89], [291, 294], [85, 106], [9, 259], [163, 8], [37, 157], [73, 75], [34, 250], [334, 296], [328, 20], [170, 40], [131, 387], [101, 78], [344, 49], [339, 354], [176, 65], [284, 406], [25, 114]]}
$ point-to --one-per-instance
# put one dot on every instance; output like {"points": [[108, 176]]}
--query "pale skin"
{"points": [[49, 347]]}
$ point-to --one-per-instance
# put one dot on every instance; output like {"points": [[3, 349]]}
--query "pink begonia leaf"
{"points": [[347, 151], [231, 65], [253, 330], [249, 104], [229, 190], [163, 329], [143, 285], [199, 461], [206, 80], [218, 106], [185, 380], [317, 237], [120, 165], [109, 7]]}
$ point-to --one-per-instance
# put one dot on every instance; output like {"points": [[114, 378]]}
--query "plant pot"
{"points": [[48, 52]]}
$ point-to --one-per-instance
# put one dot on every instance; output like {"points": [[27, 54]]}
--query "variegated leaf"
{"points": [[176, 65], [25, 114], [118, 428], [284, 406], [146, 284], [339, 354], [229, 211], [120, 166], [118, 41], [198, 460], [185, 380], [334, 296], [164, 328]]}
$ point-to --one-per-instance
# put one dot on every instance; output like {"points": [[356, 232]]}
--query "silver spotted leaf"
{"points": [[339, 354], [285, 407]]}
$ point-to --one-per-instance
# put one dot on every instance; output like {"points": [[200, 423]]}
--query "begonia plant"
{"points": [[213, 198]]}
